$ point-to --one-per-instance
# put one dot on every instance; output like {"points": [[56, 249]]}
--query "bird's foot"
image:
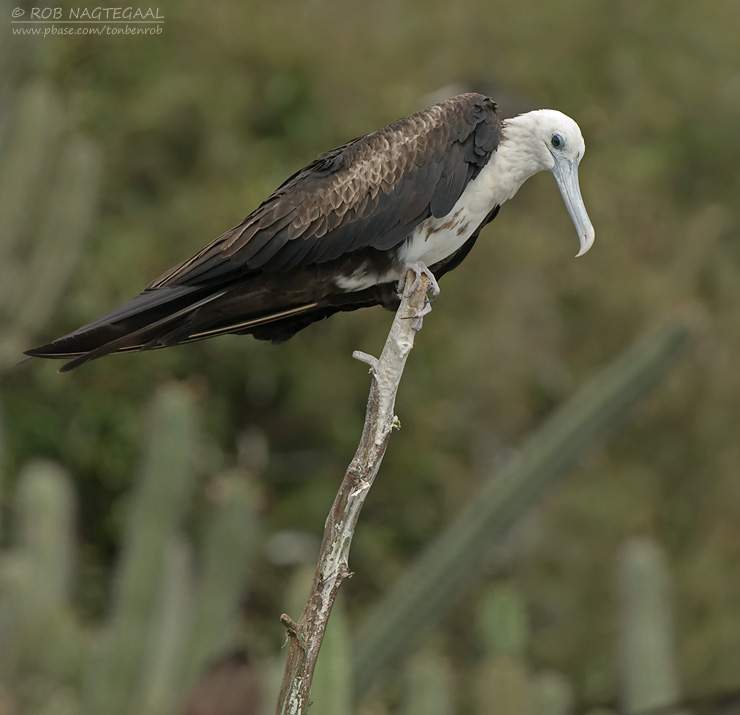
{"points": [[418, 316], [420, 269]]}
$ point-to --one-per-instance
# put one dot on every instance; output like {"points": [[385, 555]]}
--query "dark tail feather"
{"points": [[134, 325], [268, 307]]}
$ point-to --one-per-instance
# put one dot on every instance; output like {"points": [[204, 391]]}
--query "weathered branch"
{"points": [[306, 635]]}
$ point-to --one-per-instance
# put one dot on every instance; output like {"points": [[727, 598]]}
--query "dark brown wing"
{"points": [[371, 192]]}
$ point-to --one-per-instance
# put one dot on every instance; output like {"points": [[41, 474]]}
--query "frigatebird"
{"points": [[341, 233]]}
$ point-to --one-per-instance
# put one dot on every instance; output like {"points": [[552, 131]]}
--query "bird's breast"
{"points": [[438, 238], [435, 238], [431, 241]]}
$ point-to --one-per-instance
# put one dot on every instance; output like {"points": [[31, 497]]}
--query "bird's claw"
{"points": [[418, 316], [419, 268]]}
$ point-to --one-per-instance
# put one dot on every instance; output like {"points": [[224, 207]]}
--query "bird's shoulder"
{"points": [[420, 138]]}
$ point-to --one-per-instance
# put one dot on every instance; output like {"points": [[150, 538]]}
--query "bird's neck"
{"points": [[517, 159]]}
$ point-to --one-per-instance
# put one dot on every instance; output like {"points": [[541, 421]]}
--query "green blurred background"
{"points": [[197, 125]]}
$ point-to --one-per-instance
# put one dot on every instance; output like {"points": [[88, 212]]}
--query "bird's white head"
{"points": [[548, 139]]}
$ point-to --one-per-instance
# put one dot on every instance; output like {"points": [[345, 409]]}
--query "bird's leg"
{"points": [[419, 268], [419, 317]]}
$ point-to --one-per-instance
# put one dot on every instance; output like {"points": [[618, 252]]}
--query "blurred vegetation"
{"points": [[456, 558], [169, 616], [172, 642], [46, 164], [505, 680], [199, 124]]}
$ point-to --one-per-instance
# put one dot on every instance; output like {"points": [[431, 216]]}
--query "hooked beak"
{"points": [[566, 174]]}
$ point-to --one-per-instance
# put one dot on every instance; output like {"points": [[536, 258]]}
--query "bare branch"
{"points": [[306, 635]]}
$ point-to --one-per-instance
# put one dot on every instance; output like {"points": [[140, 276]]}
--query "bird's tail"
{"points": [[173, 315], [269, 307], [142, 323]]}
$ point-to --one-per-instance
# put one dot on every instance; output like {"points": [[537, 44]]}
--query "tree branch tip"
{"points": [[366, 358], [396, 424], [290, 625]]}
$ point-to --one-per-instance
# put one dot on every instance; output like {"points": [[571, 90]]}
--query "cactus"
{"points": [[551, 694], [37, 574], [503, 622], [15, 582], [228, 547], [163, 491], [44, 164], [160, 687], [59, 237], [373, 705], [647, 666], [162, 629], [501, 679], [45, 512], [34, 133], [41, 641], [196, 619], [429, 685], [503, 684], [452, 563], [40, 637]]}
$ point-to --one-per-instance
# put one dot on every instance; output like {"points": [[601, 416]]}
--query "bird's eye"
{"points": [[557, 141]]}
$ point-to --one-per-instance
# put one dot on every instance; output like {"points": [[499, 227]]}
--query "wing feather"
{"points": [[369, 193]]}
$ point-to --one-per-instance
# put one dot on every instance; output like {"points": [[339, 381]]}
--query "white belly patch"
{"points": [[434, 239], [437, 238]]}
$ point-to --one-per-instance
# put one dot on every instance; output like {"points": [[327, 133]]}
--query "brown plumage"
{"points": [[344, 217]]}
